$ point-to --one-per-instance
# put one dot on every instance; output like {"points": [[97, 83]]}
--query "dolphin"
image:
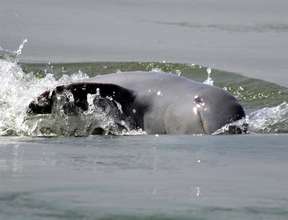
{"points": [[156, 102]]}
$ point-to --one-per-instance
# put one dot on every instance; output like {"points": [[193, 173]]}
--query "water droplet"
{"points": [[209, 80], [195, 110], [198, 191], [98, 92], [21, 46], [178, 72]]}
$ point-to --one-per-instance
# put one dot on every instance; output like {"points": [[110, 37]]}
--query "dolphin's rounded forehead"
{"points": [[218, 109]]}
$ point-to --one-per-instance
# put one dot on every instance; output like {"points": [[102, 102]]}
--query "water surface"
{"points": [[144, 177]]}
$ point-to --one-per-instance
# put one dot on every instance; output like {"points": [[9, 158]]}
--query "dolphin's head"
{"points": [[216, 108], [203, 112]]}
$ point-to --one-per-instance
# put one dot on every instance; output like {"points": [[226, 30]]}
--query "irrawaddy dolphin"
{"points": [[158, 103]]}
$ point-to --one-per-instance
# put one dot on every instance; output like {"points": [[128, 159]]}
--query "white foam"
{"points": [[269, 119], [157, 70], [265, 120], [17, 90]]}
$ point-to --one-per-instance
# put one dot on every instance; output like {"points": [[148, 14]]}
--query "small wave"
{"points": [[21, 46]]}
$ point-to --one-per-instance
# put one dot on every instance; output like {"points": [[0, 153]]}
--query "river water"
{"points": [[144, 177], [138, 176]]}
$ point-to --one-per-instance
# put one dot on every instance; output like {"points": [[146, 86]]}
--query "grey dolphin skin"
{"points": [[158, 103]]}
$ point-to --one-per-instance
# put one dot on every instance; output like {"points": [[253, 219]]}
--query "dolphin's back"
{"points": [[145, 83]]}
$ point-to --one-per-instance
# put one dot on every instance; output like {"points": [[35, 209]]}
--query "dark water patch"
{"points": [[234, 28], [25, 205], [33, 206], [10, 197]]}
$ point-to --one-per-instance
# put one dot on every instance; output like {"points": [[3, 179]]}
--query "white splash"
{"points": [[157, 70], [12, 55], [198, 191], [66, 118], [209, 80], [265, 120], [21, 46], [90, 99], [98, 91], [269, 119], [17, 90], [178, 72]]}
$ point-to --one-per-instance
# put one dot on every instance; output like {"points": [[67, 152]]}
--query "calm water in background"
{"points": [[144, 177], [245, 36]]}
